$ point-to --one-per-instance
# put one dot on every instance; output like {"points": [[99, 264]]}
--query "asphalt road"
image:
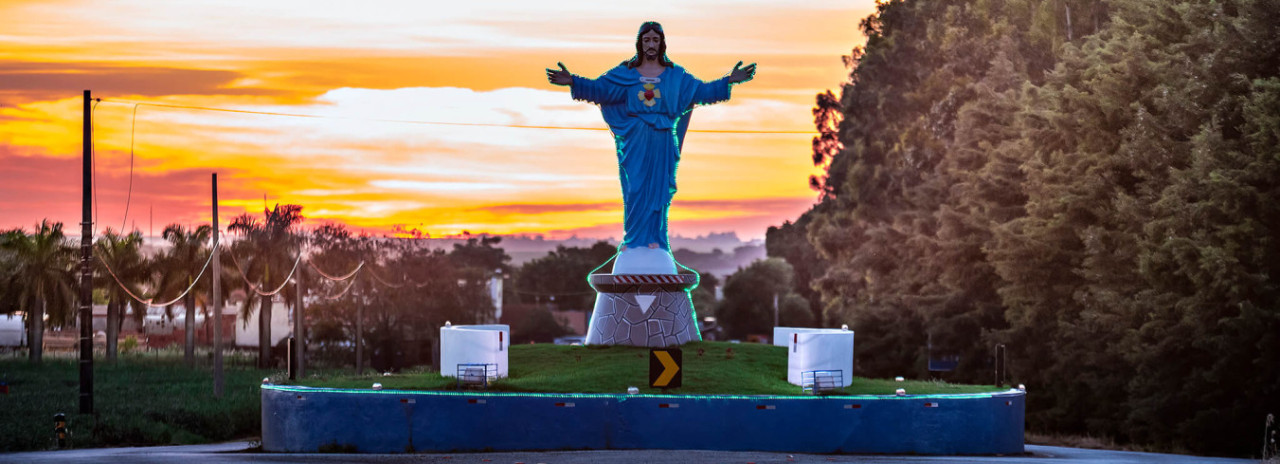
{"points": [[236, 452]]}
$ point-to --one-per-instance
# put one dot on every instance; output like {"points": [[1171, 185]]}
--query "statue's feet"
{"points": [[653, 246]]}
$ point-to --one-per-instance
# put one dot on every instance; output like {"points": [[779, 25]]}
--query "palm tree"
{"points": [[7, 263], [120, 269], [41, 279], [266, 246], [182, 265]]}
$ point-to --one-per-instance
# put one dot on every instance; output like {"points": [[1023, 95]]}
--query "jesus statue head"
{"points": [[651, 45]]}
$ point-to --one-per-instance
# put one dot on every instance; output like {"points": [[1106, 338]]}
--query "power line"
{"points": [[150, 302], [343, 292], [335, 278], [533, 293], [93, 153], [258, 288], [389, 284], [129, 198], [429, 123]]}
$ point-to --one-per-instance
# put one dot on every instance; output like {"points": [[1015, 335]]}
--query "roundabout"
{"points": [[735, 398], [643, 303], [307, 419]]}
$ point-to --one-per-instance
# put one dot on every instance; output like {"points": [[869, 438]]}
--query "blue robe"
{"points": [[648, 139]]}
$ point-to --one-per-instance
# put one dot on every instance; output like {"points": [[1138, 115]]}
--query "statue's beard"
{"points": [[651, 53]]}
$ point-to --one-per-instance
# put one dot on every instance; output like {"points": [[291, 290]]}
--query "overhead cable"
{"points": [[384, 282], [129, 198], [257, 288], [149, 301], [93, 153], [433, 123], [343, 292], [334, 278]]}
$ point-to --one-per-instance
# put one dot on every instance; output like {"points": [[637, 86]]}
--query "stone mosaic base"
{"points": [[642, 315]]}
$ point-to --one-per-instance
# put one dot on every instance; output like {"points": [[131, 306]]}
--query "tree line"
{"points": [[401, 291], [1093, 184], [408, 289]]}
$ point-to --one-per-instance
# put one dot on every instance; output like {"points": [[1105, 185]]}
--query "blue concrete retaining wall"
{"points": [[301, 419]]}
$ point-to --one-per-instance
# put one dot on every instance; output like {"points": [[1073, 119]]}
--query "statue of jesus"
{"points": [[647, 101]]}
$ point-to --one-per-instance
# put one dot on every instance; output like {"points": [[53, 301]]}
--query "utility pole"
{"points": [[1001, 370], [217, 297], [359, 328], [299, 338], [86, 266]]}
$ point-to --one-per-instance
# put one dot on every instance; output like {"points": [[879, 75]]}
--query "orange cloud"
{"points": [[400, 62], [25, 82]]}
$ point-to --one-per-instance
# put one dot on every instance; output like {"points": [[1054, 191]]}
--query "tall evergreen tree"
{"points": [[1089, 183]]}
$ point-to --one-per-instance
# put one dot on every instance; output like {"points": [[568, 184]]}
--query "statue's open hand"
{"points": [[741, 74], [559, 77]]}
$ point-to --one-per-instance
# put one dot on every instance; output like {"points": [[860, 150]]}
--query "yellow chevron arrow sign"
{"points": [[664, 368]]}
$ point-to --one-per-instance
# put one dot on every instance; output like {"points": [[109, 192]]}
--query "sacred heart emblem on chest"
{"points": [[650, 95]]}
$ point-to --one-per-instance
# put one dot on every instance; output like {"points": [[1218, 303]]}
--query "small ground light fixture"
{"points": [[448, 324], [1022, 388], [266, 380], [633, 391], [844, 326], [377, 386], [901, 392], [898, 379]]}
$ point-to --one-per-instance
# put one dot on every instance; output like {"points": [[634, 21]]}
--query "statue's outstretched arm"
{"points": [[589, 90], [707, 93], [598, 91]]}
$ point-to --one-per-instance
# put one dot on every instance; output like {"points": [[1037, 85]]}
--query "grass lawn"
{"points": [[709, 368], [143, 399]]}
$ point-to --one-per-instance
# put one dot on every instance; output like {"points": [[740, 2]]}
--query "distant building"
{"points": [[13, 333], [246, 332]]}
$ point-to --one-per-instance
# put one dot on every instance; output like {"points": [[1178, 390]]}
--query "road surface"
{"points": [[238, 452]]}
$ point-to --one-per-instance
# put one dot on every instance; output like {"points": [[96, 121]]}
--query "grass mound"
{"points": [[709, 368]]}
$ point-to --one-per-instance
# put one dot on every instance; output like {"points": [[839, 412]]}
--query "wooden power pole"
{"points": [[299, 324], [86, 266], [359, 329], [217, 297]]}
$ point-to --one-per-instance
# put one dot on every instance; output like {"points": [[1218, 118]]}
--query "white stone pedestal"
{"points": [[644, 302]]}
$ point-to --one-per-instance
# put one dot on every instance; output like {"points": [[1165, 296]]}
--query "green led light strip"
{"points": [[624, 396]]}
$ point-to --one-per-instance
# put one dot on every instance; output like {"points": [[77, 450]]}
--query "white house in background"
{"points": [[12, 331], [281, 325], [127, 324], [245, 334], [157, 323]]}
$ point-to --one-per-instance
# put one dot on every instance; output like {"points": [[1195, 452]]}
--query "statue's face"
{"points": [[650, 43]]}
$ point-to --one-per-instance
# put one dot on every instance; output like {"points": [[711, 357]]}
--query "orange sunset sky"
{"points": [[472, 62]]}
